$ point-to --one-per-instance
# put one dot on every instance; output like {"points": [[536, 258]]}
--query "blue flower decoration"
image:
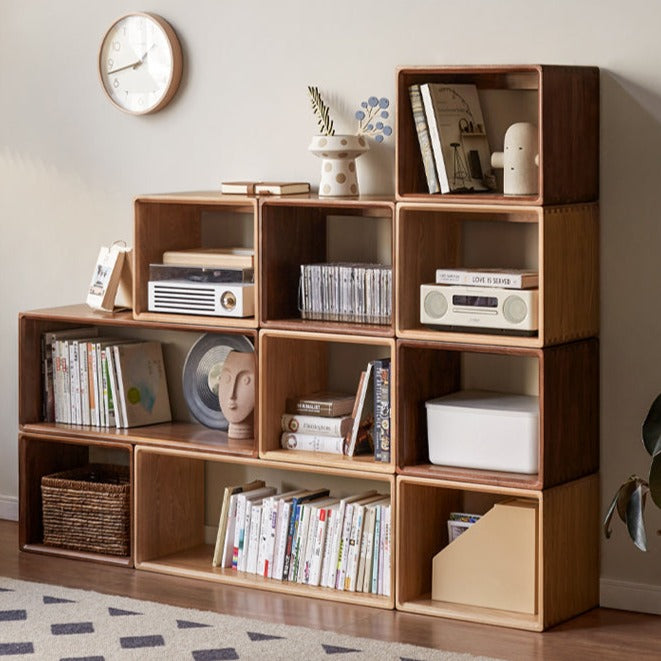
{"points": [[360, 114], [383, 102], [387, 130], [385, 114], [379, 125], [373, 101], [378, 138]]}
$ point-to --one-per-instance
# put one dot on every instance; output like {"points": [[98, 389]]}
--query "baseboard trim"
{"points": [[625, 595], [8, 508]]}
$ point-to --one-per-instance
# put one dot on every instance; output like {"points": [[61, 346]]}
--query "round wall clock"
{"points": [[140, 63]]}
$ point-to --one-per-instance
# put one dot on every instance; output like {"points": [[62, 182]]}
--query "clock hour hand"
{"points": [[133, 65]]}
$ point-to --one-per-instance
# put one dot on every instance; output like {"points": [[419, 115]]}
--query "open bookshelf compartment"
{"points": [[559, 242], [312, 230], [40, 456], [556, 591], [295, 364], [191, 220], [562, 101], [178, 536], [183, 431], [564, 377]]}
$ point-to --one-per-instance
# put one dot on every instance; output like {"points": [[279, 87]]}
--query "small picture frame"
{"points": [[111, 282]]}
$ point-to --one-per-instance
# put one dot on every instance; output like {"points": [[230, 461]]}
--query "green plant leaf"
{"points": [[635, 522], [652, 428], [609, 514], [624, 494], [655, 480]]}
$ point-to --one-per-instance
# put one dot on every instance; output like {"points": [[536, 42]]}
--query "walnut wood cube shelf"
{"points": [[180, 467], [563, 101]]}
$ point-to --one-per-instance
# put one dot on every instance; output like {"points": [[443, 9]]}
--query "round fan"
{"points": [[201, 374]]}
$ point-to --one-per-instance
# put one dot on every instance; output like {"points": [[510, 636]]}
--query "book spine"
{"points": [[84, 384], [228, 542], [482, 279], [254, 538], [272, 540], [295, 512], [308, 407], [284, 516], [384, 567], [312, 443], [376, 399], [376, 550], [98, 393], [57, 382], [343, 550], [364, 574], [120, 393], [113, 394], [74, 383], [222, 528], [107, 395], [310, 424], [319, 546], [264, 534], [240, 520], [362, 554], [422, 130], [91, 382], [331, 524], [382, 409], [435, 138], [298, 572], [48, 402], [354, 548], [244, 538]]}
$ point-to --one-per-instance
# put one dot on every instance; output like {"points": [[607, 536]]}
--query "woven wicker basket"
{"points": [[88, 509]]}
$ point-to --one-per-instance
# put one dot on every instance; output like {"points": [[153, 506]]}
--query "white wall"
{"points": [[70, 163]]}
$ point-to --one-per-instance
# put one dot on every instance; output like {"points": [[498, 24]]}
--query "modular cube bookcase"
{"points": [[179, 469]]}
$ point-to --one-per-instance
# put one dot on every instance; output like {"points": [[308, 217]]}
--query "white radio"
{"points": [[456, 307], [218, 299]]}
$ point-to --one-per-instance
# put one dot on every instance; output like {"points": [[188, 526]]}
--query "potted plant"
{"points": [[339, 152], [629, 500]]}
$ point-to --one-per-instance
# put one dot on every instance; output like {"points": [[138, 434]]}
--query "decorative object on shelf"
{"points": [[264, 187], [236, 393], [202, 372], [339, 152], [140, 63], [629, 499], [112, 279], [519, 160]]}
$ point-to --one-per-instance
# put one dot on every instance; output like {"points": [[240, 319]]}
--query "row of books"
{"points": [[307, 537], [359, 293], [103, 381], [452, 136], [339, 423]]}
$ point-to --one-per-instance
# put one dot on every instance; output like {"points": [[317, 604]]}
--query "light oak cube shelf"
{"points": [[169, 529], [307, 229], [564, 377], [45, 454], [294, 363], [563, 101], [562, 243], [191, 220], [566, 557]]}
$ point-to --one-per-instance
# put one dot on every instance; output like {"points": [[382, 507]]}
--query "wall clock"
{"points": [[140, 63]]}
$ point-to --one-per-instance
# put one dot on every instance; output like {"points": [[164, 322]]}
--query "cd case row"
{"points": [[359, 293]]}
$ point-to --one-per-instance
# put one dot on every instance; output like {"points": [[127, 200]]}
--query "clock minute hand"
{"points": [[133, 65]]}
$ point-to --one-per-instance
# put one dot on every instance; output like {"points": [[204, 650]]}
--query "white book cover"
{"points": [[343, 551], [91, 383], [144, 390], [74, 383], [275, 530], [113, 395], [240, 530], [376, 551], [254, 519], [324, 514], [66, 381], [312, 442], [331, 526], [305, 565], [457, 134], [501, 278], [385, 567], [264, 533], [365, 547], [228, 543], [84, 392], [316, 424], [355, 539]]}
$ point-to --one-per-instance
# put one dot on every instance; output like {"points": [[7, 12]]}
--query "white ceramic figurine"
{"points": [[519, 160]]}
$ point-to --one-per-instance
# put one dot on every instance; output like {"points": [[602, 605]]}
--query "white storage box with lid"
{"points": [[482, 429]]}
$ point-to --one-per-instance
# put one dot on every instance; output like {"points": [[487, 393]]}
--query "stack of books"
{"points": [[307, 537], [340, 423], [358, 293], [103, 381]]}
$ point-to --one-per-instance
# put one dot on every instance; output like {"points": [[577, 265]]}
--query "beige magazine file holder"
{"points": [[493, 564]]}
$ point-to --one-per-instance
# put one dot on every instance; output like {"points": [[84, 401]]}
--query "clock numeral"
{"points": [[115, 83], [111, 63], [116, 45]]}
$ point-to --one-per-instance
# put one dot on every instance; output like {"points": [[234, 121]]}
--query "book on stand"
{"points": [[458, 137], [503, 278]]}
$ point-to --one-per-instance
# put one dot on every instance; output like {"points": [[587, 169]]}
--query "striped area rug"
{"points": [[41, 621]]}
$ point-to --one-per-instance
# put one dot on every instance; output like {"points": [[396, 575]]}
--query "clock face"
{"points": [[140, 63]]}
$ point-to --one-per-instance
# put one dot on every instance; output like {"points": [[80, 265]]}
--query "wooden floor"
{"points": [[599, 634]]}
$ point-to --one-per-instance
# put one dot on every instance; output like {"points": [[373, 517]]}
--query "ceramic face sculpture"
{"points": [[236, 393], [519, 160]]}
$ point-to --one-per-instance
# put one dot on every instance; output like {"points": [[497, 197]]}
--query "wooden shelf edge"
{"points": [[456, 337], [363, 463], [473, 476], [340, 327], [219, 323], [132, 436], [122, 561], [477, 614], [231, 577], [475, 199]]}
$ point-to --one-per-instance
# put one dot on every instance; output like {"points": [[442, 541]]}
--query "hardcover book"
{"points": [[264, 187], [317, 424], [458, 137], [211, 257], [324, 403], [313, 442], [142, 386], [503, 278], [422, 129]]}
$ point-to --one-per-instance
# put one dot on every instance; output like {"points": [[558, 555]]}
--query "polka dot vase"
{"points": [[338, 165]]}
